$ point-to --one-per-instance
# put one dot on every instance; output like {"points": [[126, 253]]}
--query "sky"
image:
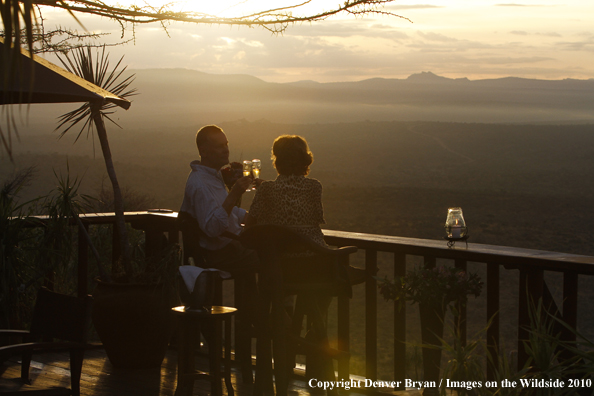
{"points": [[476, 39]]}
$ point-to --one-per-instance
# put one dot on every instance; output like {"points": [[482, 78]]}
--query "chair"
{"points": [[278, 278], [212, 319], [55, 316], [191, 234]]}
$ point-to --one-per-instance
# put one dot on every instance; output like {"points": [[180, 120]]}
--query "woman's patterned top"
{"points": [[291, 200]]}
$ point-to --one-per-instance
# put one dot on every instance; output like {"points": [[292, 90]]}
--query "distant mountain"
{"points": [[189, 97], [424, 87], [428, 77]]}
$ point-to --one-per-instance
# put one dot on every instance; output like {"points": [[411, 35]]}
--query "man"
{"points": [[206, 199]]}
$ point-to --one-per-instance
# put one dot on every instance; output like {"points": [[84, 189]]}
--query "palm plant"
{"points": [[465, 363], [91, 116]]}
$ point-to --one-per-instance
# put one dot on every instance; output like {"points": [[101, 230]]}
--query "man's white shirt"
{"points": [[203, 199]]}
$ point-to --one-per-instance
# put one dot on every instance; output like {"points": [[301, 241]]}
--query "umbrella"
{"points": [[37, 80]]}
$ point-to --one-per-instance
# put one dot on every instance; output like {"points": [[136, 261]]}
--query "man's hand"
{"points": [[236, 192], [241, 185]]}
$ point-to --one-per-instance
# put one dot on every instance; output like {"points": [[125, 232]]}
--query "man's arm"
{"points": [[236, 192]]}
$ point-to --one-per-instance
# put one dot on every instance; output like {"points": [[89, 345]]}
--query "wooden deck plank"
{"points": [[100, 378]]}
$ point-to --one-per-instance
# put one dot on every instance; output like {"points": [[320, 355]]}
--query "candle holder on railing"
{"points": [[455, 227]]}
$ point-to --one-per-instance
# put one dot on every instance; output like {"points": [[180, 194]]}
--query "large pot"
{"points": [[134, 323]]}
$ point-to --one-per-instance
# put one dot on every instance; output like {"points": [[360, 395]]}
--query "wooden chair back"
{"points": [[191, 234], [55, 316], [60, 316], [279, 248]]}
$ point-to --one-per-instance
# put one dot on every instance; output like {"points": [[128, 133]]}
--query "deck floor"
{"points": [[100, 378]]}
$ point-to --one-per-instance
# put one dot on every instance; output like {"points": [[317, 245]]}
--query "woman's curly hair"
{"points": [[291, 155]]}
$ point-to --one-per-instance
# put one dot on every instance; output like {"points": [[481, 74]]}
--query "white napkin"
{"points": [[190, 273]]}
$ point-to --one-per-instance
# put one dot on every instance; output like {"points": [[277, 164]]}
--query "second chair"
{"points": [[292, 264]]}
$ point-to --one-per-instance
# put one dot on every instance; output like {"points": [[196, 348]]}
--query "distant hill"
{"points": [[181, 97]]}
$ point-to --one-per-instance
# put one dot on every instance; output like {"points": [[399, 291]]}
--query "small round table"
{"points": [[210, 322]]}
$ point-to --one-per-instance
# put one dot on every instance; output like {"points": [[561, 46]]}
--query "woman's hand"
{"points": [[257, 182]]}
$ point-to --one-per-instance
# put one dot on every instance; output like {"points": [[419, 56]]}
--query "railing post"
{"points": [[371, 315], [83, 262], [116, 250], [153, 241], [430, 261], [343, 321], [399, 326], [460, 320], [493, 314], [570, 302], [531, 288], [523, 320]]}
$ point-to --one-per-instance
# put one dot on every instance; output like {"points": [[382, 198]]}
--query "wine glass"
{"points": [[247, 170], [256, 166]]}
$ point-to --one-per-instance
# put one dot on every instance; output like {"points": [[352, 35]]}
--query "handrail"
{"points": [[551, 261]]}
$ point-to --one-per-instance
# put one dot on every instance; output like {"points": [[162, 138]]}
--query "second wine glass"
{"points": [[256, 166]]}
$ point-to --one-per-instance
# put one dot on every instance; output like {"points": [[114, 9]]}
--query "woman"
{"points": [[292, 199]]}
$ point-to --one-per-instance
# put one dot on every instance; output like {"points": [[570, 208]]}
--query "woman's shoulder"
{"points": [[268, 184], [313, 182], [265, 186], [294, 180]]}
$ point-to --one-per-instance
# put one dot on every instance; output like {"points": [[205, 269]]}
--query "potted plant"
{"points": [[434, 289], [133, 318], [132, 303]]}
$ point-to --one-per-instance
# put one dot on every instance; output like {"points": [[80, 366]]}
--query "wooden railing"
{"points": [[531, 265], [155, 225]]}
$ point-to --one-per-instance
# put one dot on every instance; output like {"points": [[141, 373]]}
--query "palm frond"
{"points": [[96, 69]]}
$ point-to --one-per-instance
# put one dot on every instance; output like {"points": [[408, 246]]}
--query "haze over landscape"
{"points": [[510, 141], [177, 97]]}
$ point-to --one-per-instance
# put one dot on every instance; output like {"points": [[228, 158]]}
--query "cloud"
{"points": [[437, 37], [512, 60], [584, 45], [252, 43], [344, 30], [228, 40], [519, 32], [549, 34]]}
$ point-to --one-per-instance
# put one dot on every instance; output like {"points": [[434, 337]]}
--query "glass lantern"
{"points": [[455, 226]]}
